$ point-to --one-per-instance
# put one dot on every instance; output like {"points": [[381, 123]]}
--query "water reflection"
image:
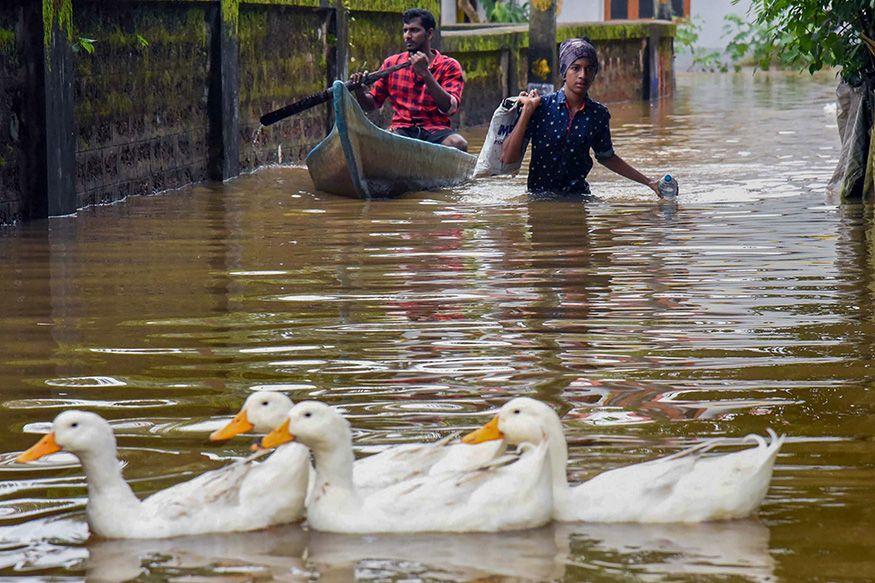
{"points": [[649, 552]]}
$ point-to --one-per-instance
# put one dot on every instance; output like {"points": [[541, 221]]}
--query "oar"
{"points": [[314, 100]]}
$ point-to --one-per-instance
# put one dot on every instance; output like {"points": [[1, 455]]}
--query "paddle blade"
{"points": [[296, 107]]}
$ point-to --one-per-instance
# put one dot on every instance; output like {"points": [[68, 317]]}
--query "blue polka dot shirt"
{"points": [[561, 144]]}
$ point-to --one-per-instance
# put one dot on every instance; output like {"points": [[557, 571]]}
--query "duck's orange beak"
{"points": [[278, 436], [44, 446], [239, 424], [488, 432]]}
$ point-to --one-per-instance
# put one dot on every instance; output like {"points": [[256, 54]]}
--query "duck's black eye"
{"points": [[264, 403], [308, 414], [74, 425], [516, 411]]}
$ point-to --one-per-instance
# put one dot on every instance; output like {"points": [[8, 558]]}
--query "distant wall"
{"points": [[102, 100], [495, 61]]}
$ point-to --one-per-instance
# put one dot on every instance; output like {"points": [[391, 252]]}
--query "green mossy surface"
{"points": [[140, 108], [373, 36], [477, 66], [478, 41], [57, 15], [517, 37], [283, 58], [279, 70], [230, 10], [291, 3], [601, 31], [123, 77], [396, 6], [7, 41]]}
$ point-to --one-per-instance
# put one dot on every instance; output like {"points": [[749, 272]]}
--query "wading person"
{"points": [[424, 95], [564, 126]]}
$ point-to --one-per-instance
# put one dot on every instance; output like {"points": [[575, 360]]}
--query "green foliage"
{"points": [[506, 10], [686, 36], [823, 33], [747, 43], [758, 43], [84, 44], [7, 40], [141, 41]]}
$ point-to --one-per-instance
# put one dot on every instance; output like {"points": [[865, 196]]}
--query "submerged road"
{"points": [[648, 325]]}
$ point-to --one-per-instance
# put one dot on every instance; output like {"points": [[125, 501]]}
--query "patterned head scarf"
{"points": [[576, 48]]}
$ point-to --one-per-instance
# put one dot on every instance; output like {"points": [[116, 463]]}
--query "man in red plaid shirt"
{"points": [[424, 95]]}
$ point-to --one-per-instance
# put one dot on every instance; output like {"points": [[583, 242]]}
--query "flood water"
{"points": [[650, 327]]}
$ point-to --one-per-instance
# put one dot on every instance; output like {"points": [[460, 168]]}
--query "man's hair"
{"points": [[424, 16]]}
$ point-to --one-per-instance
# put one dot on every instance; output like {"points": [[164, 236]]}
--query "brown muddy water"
{"points": [[746, 305]]}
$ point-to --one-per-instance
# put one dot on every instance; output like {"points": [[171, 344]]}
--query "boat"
{"points": [[360, 160]]}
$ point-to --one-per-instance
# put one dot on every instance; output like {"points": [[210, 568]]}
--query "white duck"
{"points": [[231, 498], [289, 465], [684, 487], [505, 495], [264, 410]]}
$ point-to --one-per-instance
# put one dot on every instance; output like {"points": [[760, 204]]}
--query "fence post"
{"points": [[223, 103], [341, 24], [47, 111]]}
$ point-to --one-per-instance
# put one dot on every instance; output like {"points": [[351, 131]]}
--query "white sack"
{"points": [[503, 121]]}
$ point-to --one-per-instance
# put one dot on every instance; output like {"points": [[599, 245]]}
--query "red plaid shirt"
{"points": [[409, 96]]}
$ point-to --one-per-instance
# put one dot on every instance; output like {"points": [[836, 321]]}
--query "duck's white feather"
{"points": [[244, 495], [508, 493], [685, 488], [406, 462], [688, 486], [264, 410]]}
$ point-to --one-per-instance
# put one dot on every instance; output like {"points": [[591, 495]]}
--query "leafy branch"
{"points": [[823, 33]]}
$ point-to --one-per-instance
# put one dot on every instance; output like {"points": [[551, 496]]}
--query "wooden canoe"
{"points": [[360, 160]]}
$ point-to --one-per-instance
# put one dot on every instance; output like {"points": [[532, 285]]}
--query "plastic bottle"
{"points": [[667, 186]]}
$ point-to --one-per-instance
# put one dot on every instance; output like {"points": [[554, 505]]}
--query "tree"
{"points": [[824, 33]]}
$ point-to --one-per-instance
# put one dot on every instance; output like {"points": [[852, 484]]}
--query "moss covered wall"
{"points": [[141, 109], [12, 79], [282, 59], [140, 98]]}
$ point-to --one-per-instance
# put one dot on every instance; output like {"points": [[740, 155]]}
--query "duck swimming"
{"points": [[508, 493], [264, 410], [684, 487], [231, 498]]}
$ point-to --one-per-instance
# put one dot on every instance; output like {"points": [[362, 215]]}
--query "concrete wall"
{"points": [[173, 89], [283, 58], [12, 91], [495, 61], [141, 126]]}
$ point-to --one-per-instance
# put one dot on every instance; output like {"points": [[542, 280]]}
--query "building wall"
{"points": [[581, 11], [12, 93], [283, 58], [140, 116], [495, 61]]}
